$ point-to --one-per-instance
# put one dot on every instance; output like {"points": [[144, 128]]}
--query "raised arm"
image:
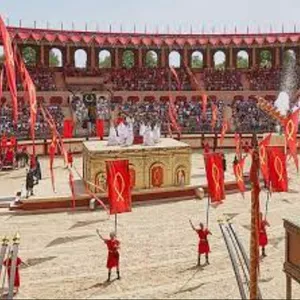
{"points": [[193, 227], [100, 236]]}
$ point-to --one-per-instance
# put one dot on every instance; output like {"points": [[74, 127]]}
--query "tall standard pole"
{"points": [[254, 249]]}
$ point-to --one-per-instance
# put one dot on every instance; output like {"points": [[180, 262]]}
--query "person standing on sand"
{"points": [[263, 237], [113, 246], [203, 246]]}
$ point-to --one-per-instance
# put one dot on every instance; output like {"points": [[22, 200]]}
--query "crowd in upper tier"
{"points": [[267, 79], [22, 129], [245, 114]]}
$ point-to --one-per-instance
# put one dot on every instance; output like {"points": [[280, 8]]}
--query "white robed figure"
{"points": [[156, 133], [129, 132], [122, 133], [142, 129], [112, 137], [148, 136]]}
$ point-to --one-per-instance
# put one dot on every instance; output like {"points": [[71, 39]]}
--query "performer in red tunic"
{"points": [[203, 246], [263, 237], [70, 159], [8, 263], [113, 246]]}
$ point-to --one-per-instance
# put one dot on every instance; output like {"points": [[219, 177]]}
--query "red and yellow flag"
{"points": [[1, 83], [10, 68], [277, 169], [215, 176], [263, 157], [204, 105], [238, 169], [291, 130], [214, 115], [237, 141], [225, 128], [118, 182]]}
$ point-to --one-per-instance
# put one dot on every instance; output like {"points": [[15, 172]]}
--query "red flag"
{"points": [[277, 167], [214, 115], [173, 116], [225, 127], [238, 167], [263, 158], [1, 83], [72, 188], [68, 129], [291, 129], [52, 150], [215, 176], [118, 182], [237, 141], [10, 68], [100, 128], [173, 71], [204, 105]]}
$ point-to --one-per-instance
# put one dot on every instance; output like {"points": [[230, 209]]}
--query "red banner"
{"points": [[1, 83], [118, 182], [173, 71], [100, 128], [68, 129], [204, 105], [225, 128], [263, 158], [214, 116], [238, 169], [291, 130], [173, 116], [215, 176], [10, 68], [237, 141], [277, 169]]}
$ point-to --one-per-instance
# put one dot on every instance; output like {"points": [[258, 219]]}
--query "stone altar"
{"points": [[166, 164]]}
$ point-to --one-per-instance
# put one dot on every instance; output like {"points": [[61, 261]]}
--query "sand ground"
{"points": [[158, 255]]}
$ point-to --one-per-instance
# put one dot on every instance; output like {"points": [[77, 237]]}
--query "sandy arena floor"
{"points": [[158, 255]]}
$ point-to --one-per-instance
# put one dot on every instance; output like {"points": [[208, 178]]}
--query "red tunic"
{"points": [[7, 263], [9, 156], [263, 238], [203, 246], [70, 158], [113, 254]]}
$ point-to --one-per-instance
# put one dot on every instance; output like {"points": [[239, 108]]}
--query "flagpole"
{"points": [[207, 210], [116, 223], [267, 203]]}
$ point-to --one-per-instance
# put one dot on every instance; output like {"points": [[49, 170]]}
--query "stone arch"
{"points": [[197, 60], [100, 182], [265, 59], [174, 59], [157, 173], [242, 60], [105, 59], [80, 58], [55, 58], [29, 56], [132, 176], [219, 60], [128, 59], [181, 175], [151, 59]]}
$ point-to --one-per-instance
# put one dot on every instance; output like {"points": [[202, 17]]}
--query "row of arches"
{"points": [[219, 58]]}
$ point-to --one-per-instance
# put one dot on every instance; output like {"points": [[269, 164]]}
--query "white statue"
{"points": [[142, 129], [122, 133], [129, 132], [112, 138], [156, 133], [148, 136]]}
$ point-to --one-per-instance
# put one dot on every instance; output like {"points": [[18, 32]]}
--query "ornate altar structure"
{"points": [[164, 165], [292, 253]]}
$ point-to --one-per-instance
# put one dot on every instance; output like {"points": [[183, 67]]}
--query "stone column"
{"points": [[117, 58], [42, 55], [140, 57], [68, 58], [93, 57], [277, 56], [254, 57], [185, 56], [208, 58], [163, 57], [231, 63]]}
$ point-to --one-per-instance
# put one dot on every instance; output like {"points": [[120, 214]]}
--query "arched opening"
{"points": [[197, 60], [242, 61], [1, 55], [175, 59], [265, 59], [55, 58], [29, 56], [219, 60], [80, 58], [289, 57], [151, 59], [128, 59], [104, 59]]}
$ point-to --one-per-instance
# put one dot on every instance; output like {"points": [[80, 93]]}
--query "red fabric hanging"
{"points": [[68, 129]]}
